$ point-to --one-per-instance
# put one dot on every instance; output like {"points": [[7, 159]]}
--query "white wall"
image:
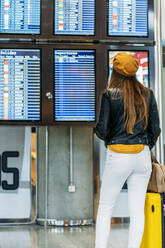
{"points": [[163, 79], [163, 21]]}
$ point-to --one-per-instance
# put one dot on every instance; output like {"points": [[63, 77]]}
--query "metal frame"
{"points": [[47, 81], [71, 168], [25, 46], [97, 66], [46, 175], [29, 36], [80, 38], [47, 77], [101, 29], [54, 222], [47, 27], [126, 39]]}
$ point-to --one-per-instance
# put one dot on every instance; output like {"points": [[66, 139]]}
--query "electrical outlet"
{"points": [[72, 188]]}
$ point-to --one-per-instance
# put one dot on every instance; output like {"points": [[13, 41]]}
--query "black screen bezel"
{"points": [[47, 77], [116, 39], [74, 121], [101, 27], [25, 47], [23, 35], [72, 35]]}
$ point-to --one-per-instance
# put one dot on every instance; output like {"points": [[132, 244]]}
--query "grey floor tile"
{"points": [[33, 236]]}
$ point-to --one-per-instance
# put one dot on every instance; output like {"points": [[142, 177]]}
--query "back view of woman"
{"points": [[129, 125]]}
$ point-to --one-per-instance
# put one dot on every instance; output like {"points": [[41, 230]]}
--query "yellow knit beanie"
{"points": [[125, 64]]}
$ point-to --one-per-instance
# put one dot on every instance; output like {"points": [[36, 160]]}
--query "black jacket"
{"points": [[111, 124]]}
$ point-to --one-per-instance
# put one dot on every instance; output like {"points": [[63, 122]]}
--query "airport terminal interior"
{"points": [[55, 61]]}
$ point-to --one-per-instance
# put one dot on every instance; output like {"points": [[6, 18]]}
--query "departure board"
{"points": [[19, 84], [75, 17], [128, 17], [75, 85], [143, 72], [20, 16]]}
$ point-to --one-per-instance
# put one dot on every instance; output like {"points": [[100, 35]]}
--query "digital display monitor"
{"points": [[74, 17], [128, 18], [74, 85], [19, 84], [20, 16], [143, 72]]}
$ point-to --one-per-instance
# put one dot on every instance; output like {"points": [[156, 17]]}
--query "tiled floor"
{"points": [[34, 236]]}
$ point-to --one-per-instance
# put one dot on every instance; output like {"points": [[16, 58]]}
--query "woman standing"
{"points": [[129, 125]]}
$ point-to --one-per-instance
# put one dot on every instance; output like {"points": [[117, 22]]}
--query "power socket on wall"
{"points": [[72, 188]]}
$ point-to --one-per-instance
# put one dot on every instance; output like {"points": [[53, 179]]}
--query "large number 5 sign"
{"points": [[9, 170]]}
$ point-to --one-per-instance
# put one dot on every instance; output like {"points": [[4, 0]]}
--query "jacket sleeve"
{"points": [[102, 127], [153, 129]]}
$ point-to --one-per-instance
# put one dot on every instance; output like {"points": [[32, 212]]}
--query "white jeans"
{"points": [[136, 169]]}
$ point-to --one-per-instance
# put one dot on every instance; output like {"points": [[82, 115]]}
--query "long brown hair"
{"points": [[134, 94]]}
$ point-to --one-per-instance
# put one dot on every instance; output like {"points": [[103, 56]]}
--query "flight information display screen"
{"points": [[128, 17], [19, 84], [75, 17], [75, 85], [143, 72], [20, 16]]}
